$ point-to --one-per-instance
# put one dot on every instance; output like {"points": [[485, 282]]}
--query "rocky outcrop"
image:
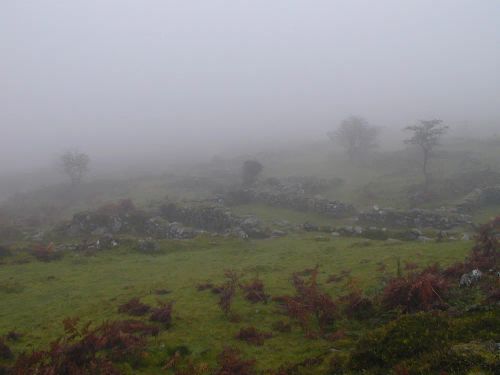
{"points": [[480, 197], [414, 218], [214, 218], [211, 218], [291, 194], [170, 221]]}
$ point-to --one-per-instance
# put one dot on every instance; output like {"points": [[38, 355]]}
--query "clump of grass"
{"points": [[282, 326], [5, 352], [252, 336], [134, 307]]}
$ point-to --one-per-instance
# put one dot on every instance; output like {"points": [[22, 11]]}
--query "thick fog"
{"points": [[137, 79]]}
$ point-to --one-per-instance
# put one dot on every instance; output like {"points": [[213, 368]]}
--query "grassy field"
{"points": [[36, 297]]}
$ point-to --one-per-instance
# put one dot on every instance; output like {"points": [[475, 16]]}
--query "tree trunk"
{"points": [[424, 169]]}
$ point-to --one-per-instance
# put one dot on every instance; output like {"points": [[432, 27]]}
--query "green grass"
{"points": [[41, 295]]}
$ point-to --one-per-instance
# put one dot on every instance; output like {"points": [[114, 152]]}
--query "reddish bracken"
{"points": [[227, 292], [485, 254], [355, 304], [416, 291], [254, 291], [252, 336], [134, 307], [88, 351], [309, 304], [230, 363], [338, 278], [162, 314], [45, 253], [204, 286]]}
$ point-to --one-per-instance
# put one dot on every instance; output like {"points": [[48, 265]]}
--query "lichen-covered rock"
{"points": [[469, 279], [480, 197]]}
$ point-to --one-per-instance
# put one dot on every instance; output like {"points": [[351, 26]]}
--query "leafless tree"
{"points": [[356, 136], [426, 136], [75, 164]]}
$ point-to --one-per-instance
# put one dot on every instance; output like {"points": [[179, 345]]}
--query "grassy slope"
{"points": [[93, 287]]}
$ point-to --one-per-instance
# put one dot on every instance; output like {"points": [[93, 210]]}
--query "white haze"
{"points": [[182, 80]]}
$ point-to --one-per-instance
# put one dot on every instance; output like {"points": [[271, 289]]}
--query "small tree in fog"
{"points": [[250, 172], [75, 164], [356, 136], [426, 136]]}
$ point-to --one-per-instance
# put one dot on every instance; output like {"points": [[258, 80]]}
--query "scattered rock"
{"points": [[469, 279]]}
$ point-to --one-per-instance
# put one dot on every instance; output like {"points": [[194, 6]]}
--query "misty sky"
{"points": [[124, 78]]}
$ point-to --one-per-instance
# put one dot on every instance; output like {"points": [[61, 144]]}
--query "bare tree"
{"points": [[250, 172], [356, 136], [75, 164], [426, 136]]}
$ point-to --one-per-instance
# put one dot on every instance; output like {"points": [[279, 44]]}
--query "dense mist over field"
{"points": [[129, 82]]}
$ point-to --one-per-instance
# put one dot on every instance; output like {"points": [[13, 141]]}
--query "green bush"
{"points": [[406, 337]]}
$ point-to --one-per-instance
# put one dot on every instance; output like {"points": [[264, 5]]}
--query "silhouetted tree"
{"points": [[426, 136], [356, 136], [250, 172], [75, 164]]}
